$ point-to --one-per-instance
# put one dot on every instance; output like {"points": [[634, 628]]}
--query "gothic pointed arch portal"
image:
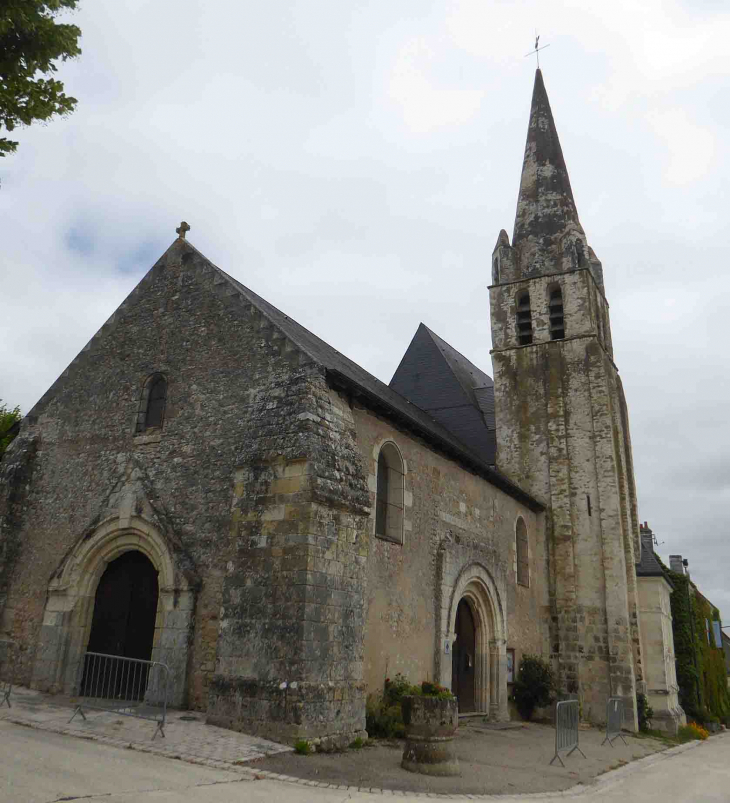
{"points": [[75, 595], [477, 629]]}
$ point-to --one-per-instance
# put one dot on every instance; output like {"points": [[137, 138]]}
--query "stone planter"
{"points": [[431, 725]]}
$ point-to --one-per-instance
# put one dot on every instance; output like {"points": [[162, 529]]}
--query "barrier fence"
{"points": [[567, 715], [129, 687], [614, 720], [8, 658]]}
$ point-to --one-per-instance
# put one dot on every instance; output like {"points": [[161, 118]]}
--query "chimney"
{"points": [[675, 564]]}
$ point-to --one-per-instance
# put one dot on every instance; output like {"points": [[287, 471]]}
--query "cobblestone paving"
{"points": [[186, 734]]}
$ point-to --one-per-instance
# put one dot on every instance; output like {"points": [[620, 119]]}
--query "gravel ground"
{"points": [[493, 761]]}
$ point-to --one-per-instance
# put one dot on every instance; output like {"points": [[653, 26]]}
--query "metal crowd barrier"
{"points": [[129, 687], [567, 716], [8, 657], [614, 720]]}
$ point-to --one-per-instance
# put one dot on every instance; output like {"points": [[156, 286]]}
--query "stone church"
{"points": [[211, 485]]}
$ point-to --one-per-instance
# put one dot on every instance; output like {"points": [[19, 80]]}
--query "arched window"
{"points": [[557, 322], [389, 495], [151, 414], [524, 319], [523, 550]]}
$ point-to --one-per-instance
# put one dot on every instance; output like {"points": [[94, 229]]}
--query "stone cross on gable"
{"points": [[182, 229]]}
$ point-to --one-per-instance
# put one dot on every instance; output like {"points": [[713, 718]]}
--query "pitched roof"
{"points": [[649, 565], [342, 371], [449, 387]]}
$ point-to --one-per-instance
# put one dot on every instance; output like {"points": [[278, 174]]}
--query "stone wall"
{"points": [[290, 649], [457, 528], [79, 468], [562, 433]]}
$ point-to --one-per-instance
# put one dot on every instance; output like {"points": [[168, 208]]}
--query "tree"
{"points": [[8, 430], [31, 41]]}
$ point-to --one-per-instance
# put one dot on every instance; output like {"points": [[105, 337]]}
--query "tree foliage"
{"points": [[31, 42], [7, 432]]}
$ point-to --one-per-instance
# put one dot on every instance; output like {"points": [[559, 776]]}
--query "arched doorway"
{"points": [[70, 607], [463, 658], [475, 626], [125, 607], [123, 624]]}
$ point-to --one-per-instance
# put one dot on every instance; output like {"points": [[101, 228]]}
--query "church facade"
{"points": [[211, 485]]}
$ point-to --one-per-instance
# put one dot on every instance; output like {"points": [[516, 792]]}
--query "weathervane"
{"points": [[537, 50]]}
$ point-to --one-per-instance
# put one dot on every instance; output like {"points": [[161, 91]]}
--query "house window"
{"points": [[557, 323], [524, 319], [151, 414], [523, 560], [389, 495]]}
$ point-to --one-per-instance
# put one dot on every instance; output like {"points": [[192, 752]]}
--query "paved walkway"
{"points": [[187, 736]]}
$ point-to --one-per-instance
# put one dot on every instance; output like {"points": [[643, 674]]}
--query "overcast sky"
{"points": [[354, 163]]}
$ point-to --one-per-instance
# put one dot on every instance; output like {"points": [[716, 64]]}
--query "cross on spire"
{"points": [[182, 229], [536, 51]]}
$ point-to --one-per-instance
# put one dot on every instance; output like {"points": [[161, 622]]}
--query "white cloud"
{"points": [[425, 106]]}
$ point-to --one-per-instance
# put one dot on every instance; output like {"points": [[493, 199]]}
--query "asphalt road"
{"points": [[41, 767]]}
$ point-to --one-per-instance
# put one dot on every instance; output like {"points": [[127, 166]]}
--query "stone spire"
{"points": [[547, 235]]}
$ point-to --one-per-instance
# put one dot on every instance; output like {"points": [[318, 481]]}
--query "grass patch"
{"points": [[302, 747], [356, 744], [660, 736]]}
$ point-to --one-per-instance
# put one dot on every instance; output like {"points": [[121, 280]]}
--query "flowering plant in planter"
{"points": [[429, 689], [431, 718]]}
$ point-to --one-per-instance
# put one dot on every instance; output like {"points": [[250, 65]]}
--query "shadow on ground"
{"points": [[509, 761]]}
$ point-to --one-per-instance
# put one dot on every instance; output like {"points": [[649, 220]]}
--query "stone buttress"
{"points": [[562, 424]]}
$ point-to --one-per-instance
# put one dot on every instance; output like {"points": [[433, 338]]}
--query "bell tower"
{"points": [[562, 424]]}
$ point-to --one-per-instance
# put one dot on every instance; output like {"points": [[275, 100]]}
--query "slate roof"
{"points": [[340, 371], [343, 372], [449, 387], [545, 205], [649, 565]]}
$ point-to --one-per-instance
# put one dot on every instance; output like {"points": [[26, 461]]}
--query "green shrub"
{"points": [[697, 713], [356, 744], [383, 714], [691, 731], [644, 711], [534, 686], [302, 747], [383, 721]]}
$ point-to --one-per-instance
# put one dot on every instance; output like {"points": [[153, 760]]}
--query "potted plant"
{"points": [[431, 717]]}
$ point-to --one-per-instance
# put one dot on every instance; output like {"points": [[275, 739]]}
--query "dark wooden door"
{"points": [[463, 657], [125, 608]]}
